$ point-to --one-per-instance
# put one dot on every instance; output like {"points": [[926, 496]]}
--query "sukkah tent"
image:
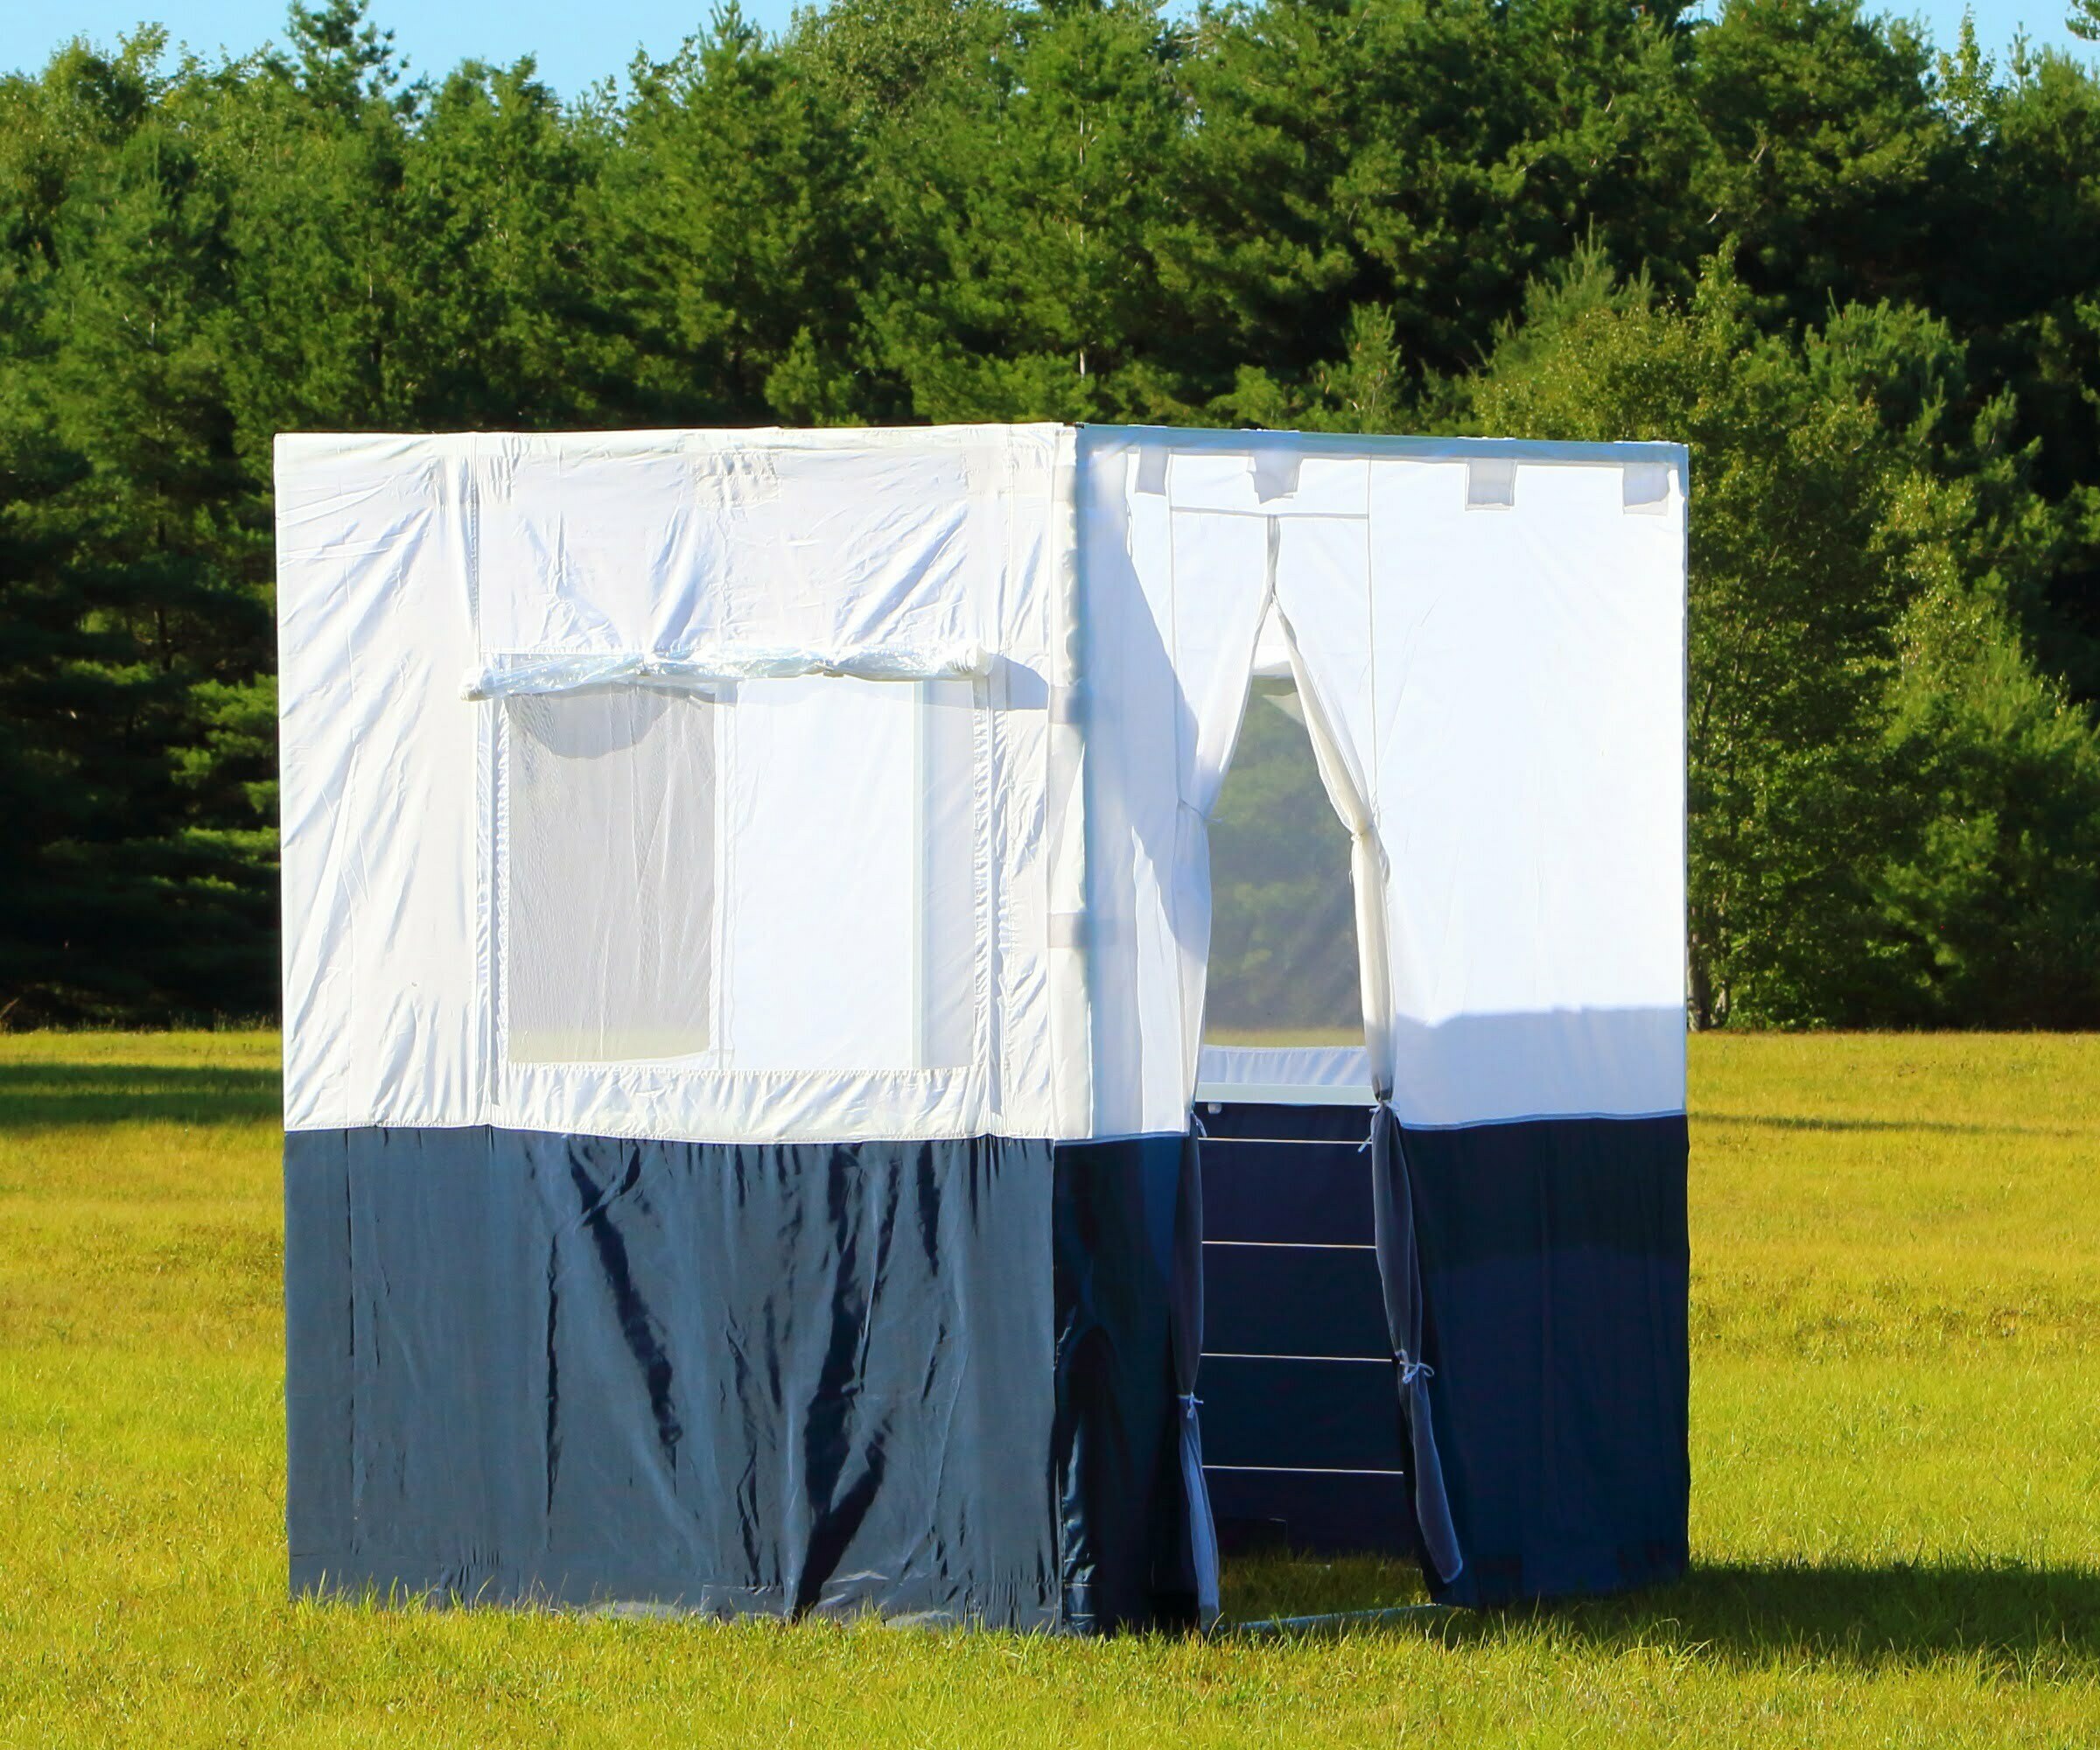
{"points": [[747, 903]]}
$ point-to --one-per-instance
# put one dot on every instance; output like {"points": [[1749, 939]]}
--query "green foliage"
{"points": [[1283, 932], [1856, 274], [1865, 730], [1025, 191], [732, 224]]}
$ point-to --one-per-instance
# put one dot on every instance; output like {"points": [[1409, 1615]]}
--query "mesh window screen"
{"points": [[609, 869], [1283, 929]]}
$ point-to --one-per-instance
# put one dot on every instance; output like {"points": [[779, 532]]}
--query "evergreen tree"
{"points": [[1857, 275]]}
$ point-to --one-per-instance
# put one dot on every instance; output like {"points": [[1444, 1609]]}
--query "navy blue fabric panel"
{"points": [[1321, 1514], [726, 1378], [1326, 1414], [1305, 1193], [1556, 1264], [318, 1296], [450, 1350], [1122, 1506], [1292, 1300], [1264, 1122]]}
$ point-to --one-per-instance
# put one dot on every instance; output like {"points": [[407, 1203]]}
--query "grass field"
{"points": [[1895, 1444]]}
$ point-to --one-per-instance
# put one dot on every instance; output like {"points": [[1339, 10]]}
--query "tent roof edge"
{"points": [[1359, 443]]}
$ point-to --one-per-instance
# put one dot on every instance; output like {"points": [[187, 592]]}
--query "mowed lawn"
{"points": [[1895, 1448]]}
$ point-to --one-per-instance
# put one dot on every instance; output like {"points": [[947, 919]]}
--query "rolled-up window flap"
{"points": [[513, 676]]}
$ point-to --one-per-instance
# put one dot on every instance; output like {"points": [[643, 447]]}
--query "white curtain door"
{"points": [[1174, 586], [1498, 670]]}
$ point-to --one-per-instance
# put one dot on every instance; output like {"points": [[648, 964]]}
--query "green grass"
{"points": [[1895, 1433]]}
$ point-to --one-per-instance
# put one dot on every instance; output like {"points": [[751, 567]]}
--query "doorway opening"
{"points": [[1300, 1435], [1283, 929]]}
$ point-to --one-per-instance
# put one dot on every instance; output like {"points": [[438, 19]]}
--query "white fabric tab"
{"points": [[1490, 481], [1275, 473], [1645, 488]]}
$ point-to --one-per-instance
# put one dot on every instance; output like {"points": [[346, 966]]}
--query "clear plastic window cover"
{"points": [[520, 676], [683, 833], [612, 812]]}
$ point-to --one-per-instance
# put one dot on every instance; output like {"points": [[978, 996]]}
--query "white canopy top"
{"points": [[771, 785]]}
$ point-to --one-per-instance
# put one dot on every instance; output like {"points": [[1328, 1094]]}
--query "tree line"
{"points": [[1858, 274]]}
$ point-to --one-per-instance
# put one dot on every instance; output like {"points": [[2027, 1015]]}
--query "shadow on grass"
{"points": [[1772, 1122], [38, 1095], [1844, 1613]]}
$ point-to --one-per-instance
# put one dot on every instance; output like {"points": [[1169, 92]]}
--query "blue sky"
{"points": [[578, 44]]}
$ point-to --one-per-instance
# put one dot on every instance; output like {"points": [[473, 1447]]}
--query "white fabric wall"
{"points": [[885, 648], [1489, 637], [883, 927]]}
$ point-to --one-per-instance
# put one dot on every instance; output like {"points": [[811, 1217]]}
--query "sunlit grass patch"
{"points": [[1896, 1481]]}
